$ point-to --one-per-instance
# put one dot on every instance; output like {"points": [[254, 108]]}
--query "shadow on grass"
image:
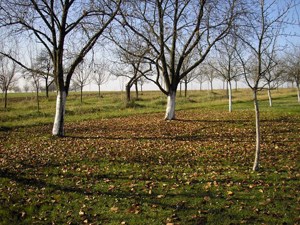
{"points": [[117, 194]]}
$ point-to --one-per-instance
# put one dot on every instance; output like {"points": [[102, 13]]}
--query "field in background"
{"points": [[22, 108], [123, 164]]}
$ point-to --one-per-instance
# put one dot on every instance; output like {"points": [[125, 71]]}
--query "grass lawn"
{"points": [[126, 165]]}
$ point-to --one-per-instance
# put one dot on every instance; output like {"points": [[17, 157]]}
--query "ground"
{"points": [[140, 169]]}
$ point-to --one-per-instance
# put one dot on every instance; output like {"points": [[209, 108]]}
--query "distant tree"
{"points": [[190, 76], [211, 75], [26, 87], [100, 75], [34, 76], [292, 68], [226, 63], [132, 67], [200, 78], [16, 88], [8, 76], [272, 77], [44, 65], [82, 76], [142, 81]]}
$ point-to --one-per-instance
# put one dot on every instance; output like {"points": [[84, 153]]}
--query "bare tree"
{"points": [[101, 75], [200, 78], [44, 64], [8, 76], [142, 81], [271, 78], [172, 31], [26, 87], [133, 69], [211, 75], [292, 67], [263, 25], [82, 76], [226, 63], [58, 25]]}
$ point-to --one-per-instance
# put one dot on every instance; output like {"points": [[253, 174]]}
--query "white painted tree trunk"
{"points": [[298, 93], [270, 97], [229, 96], [257, 129], [58, 126], [170, 111]]}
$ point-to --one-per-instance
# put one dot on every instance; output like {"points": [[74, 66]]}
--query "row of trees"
{"points": [[161, 40]]}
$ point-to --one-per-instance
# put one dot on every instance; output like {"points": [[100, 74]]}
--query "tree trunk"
{"points": [[200, 86], [180, 89], [58, 126], [257, 129], [298, 92], [270, 96], [5, 98], [170, 110], [81, 89], [185, 88], [38, 100], [46, 87], [136, 90], [236, 87], [128, 98], [99, 91], [229, 96], [211, 86]]}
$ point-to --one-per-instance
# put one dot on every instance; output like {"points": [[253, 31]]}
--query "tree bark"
{"points": [[58, 126], [99, 91], [229, 96], [5, 98], [180, 89], [46, 88], [270, 97], [81, 89], [128, 98], [257, 129], [136, 90], [185, 88], [170, 110], [298, 93], [38, 100]]}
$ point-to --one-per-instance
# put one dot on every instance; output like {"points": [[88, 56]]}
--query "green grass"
{"points": [[123, 164], [22, 109]]}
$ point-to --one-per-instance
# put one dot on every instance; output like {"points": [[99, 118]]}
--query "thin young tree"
{"points": [[292, 69], [82, 76], [225, 63], [271, 78], [200, 78], [44, 64], [133, 70], [100, 75], [263, 24], [172, 31], [8, 76], [59, 25]]}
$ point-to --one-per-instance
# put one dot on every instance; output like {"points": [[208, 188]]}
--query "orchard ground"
{"points": [[123, 164]]}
